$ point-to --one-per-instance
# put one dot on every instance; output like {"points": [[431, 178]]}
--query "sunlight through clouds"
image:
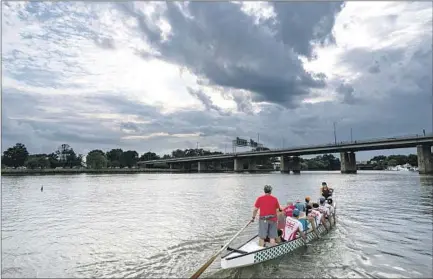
{"points": [[161, 75]]}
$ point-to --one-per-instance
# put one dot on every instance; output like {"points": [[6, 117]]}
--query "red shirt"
{"points": [[268, 205], [288, 211]]}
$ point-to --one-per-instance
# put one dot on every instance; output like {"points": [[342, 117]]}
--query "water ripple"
{"points": [[168, 225]]}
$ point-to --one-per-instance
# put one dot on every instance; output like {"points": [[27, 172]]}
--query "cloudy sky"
{"points": [[160, 76]]}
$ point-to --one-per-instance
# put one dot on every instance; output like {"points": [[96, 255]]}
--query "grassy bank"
{"points": [[9, 172], [83, 170]]}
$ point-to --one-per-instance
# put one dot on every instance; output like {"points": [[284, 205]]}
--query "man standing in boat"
{"points": [[268, 206]]}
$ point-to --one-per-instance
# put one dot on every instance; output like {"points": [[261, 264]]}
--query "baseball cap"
{"points": [[295, 212]]}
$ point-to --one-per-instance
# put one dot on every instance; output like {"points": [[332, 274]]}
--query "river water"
{"points": [[168, 225]]}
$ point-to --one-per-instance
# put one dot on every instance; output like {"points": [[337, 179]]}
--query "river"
{"points": [[168, 225]]}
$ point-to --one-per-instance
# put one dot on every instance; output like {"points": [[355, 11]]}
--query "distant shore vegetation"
{"points": [[64, 157]]}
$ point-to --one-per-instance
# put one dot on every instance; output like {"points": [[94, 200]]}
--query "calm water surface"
{"points": [[168, 225]]}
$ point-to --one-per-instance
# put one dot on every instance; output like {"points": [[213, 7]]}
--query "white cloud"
{"points": [[157, 135], [378, 26]]}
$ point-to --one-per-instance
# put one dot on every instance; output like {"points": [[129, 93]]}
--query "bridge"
{"points": [[289, 157]]}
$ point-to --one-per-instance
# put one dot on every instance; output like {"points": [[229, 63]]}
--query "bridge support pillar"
{"points": [[296, 165], [238, 165], [252, 165], [348, 162], [217, 165], [425, 160], [284, 164], [201, 166], [186, 166]]}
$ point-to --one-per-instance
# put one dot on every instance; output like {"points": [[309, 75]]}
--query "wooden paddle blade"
{"points": [[203, 268], [208, 263]]}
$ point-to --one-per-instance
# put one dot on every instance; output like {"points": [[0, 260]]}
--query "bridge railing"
{"points": [[340, 143]]}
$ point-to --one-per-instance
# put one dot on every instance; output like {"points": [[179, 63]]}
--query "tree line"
{"points": [[18, 156], [382, 162], [65, 157], [321, 162]]}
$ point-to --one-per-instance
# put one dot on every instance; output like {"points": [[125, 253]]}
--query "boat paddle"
{"points": [[208, 263]]}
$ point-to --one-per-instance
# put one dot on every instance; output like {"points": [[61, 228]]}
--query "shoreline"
{"points": [[29, 172], [16, 172]]}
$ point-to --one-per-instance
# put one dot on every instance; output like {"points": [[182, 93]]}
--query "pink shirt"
{"points": [[291, 228]]}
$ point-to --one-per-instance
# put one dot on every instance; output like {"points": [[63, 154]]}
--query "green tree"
{"points": [[392, 163], [32, 163], [129, 158], [149, 156], [67, 157], [321, 162], [412, 159], [53, 160], [15, 156], [304, 165], [37, 161], [96, 159], [378, 158], [79, 161], [400, 159], [114, 157], [331, 162], [178, 153]]}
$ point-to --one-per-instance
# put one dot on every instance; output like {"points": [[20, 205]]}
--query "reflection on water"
{"points": [[167, 225]]}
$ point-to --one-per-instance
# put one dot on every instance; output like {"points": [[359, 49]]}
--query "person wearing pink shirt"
{"points": [[288, 210]]}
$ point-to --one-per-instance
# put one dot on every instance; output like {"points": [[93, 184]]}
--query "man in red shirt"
{"points": [[268, 206]]}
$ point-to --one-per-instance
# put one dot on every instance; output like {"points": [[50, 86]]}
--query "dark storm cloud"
{"points": [[301, 23], [374, 69], [346, 91], [222, 44], [204, 99]]}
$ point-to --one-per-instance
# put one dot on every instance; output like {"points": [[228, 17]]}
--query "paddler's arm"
{"points": [[255, 210]]}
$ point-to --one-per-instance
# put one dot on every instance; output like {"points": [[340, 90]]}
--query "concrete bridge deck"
{"points": [[346, 149]]}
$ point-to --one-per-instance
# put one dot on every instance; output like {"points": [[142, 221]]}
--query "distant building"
{"points": [[276, 165]]}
